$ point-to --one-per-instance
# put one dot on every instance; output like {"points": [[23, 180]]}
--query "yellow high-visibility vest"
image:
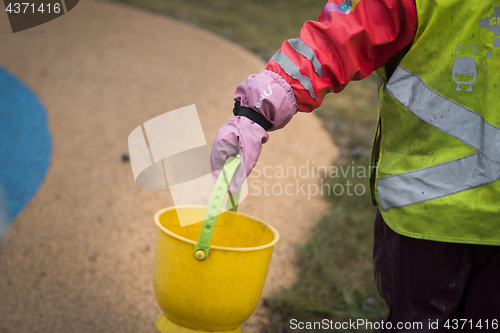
{"points": [[437, 149]]}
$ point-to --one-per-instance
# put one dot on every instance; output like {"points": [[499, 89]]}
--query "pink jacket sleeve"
{"points": [[347, 42]]}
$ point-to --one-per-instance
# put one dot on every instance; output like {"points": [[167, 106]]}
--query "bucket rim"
{"points": [[217, 247]]}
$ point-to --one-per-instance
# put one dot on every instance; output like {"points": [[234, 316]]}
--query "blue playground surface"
{"points": [[25, 146]]}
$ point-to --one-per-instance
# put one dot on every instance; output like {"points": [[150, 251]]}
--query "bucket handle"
{"points": [[201, 250]]}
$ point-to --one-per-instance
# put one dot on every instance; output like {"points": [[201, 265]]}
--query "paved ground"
{"points": [[26, 146], [79, 256]]}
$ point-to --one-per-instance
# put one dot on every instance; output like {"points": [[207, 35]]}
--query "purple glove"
{"points": [[268, 94], [240, 136]]}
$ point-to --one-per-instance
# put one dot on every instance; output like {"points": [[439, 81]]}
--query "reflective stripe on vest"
{"points": [[449, 117]]}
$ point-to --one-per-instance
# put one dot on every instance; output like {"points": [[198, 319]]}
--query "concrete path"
{"points": [[79, 256]]}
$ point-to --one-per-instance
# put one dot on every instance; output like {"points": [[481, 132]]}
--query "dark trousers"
{"points": [[436, 283]]}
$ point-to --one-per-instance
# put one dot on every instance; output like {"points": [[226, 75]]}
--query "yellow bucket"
{"points": [[217, 294]]}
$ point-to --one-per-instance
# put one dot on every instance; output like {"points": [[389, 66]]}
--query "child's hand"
{"points": [[264, 101], [240, 136]]}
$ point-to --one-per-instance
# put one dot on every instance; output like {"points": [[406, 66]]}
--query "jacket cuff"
{"points": [[270, 95]]}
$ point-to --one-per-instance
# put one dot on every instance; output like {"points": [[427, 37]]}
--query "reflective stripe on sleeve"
{"points": [[304, 49], [291, 69]]}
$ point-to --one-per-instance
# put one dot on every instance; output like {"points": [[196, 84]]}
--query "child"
{"points": [[437, 149]]}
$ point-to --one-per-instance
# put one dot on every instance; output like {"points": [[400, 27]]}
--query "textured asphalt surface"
{"points": [[79, 256]]}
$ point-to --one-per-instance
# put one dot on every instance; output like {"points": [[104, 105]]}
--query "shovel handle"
{"points": [[201, 250]]}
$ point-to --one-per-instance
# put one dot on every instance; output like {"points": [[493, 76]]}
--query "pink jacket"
{"points": [[347, 42]]}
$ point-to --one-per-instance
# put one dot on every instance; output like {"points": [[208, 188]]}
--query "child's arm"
{"points": [[340, 47], [345, 43]]}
